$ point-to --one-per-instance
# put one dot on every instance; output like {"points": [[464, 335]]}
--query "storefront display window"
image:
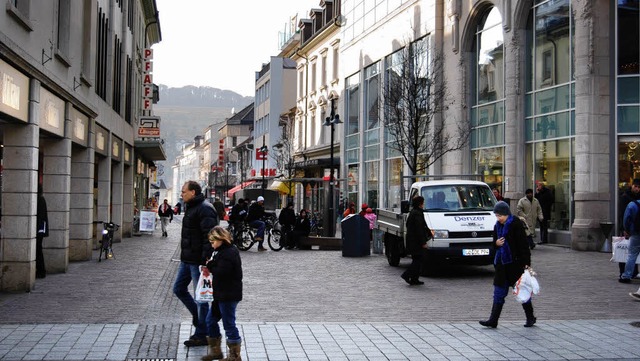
{"points": [[372, 173], [550, 117], [352, 183], [628, 95], [489, 163], [553, 167], [394, 181]]}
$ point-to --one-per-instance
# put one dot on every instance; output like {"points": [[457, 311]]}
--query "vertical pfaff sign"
{"points": [[147, 82]]}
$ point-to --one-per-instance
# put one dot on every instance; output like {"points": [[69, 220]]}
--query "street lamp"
{"points": [[226, 186], [264, 150], [331, 121]]}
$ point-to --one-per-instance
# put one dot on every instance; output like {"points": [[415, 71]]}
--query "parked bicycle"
{"points": [[106, 242], [244, 235]]}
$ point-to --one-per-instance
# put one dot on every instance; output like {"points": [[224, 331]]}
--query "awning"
{"points": [[150, 149], [239, 187], [283, 187]]}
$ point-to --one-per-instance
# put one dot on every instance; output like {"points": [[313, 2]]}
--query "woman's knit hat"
{"points": [[502, 209]]}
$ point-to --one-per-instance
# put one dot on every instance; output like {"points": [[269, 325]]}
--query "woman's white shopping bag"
{"points": [[621, 250], [204, 291], [526, 286]]}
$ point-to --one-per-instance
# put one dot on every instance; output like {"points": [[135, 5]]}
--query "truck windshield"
{"points": [[463, 197]]}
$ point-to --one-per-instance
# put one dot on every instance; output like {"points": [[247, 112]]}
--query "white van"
{"points": [[461, 214]]}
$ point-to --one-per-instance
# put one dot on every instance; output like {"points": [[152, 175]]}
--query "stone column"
{"points": [[56, 185], [127, 201], [117, 170], [19, 200], [81, 209], [592, 140]]}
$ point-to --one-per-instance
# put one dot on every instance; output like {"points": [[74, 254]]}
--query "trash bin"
{"points": [[355, 236], [377, 236]]}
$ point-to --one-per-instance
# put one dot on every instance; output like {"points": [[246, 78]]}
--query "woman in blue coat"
{"points": [[512, 258]]}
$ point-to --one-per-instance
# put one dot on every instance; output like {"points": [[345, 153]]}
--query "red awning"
{"points": [[239, 187]]}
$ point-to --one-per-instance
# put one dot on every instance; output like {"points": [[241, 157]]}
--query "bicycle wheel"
{"points": [[246, 240], [274, 240]]}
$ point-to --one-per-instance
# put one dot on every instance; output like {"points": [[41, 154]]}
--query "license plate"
{"points": [[475, 252]]}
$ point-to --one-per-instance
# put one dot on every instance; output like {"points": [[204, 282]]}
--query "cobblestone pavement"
{"points": [[318, 305]]}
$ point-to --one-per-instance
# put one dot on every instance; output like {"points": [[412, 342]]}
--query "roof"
{"points": [[244, 116]]}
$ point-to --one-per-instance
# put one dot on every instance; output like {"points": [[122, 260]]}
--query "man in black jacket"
{"points": [[287, 220], [254, 218], [199, 218], [546, 199], [43, 231]]}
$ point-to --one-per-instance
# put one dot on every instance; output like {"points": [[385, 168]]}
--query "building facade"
{"points": [[72, 77], [547, 88]]}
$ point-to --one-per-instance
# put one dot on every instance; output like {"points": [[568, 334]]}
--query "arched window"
{"points": [[487, 113]]}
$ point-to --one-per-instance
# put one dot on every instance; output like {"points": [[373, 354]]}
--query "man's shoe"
{"points": [[635, 295], [416, 282], [261, 249], [624, 280], [196, 341], [406, 278]]}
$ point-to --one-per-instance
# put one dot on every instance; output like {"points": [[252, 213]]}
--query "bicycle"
{"points": [[274, 233], [106, 243], [244, 235]]}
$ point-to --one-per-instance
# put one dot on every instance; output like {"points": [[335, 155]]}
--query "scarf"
{"points": [[503, 254]]}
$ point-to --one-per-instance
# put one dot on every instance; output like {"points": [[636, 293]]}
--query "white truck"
{"points": [[460, 212]]}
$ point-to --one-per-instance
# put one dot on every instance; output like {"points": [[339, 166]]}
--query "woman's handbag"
{"points": [[204, 291], [526, 286]]}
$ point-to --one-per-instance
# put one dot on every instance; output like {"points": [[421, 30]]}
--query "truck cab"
{"points": [[460, 212]]}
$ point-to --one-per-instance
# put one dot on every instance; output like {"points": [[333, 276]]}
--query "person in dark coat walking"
{"points": [[225, 267], [42, 220], [199, 218], [287, 220], [418, 233], [546, 199], [512, 257]]}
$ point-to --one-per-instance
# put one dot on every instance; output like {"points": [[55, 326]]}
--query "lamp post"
{"points": [[264, 150], [331, 121], [226, 186]]}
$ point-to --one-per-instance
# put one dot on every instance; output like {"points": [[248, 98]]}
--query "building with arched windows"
{"points": [[549, 89]]}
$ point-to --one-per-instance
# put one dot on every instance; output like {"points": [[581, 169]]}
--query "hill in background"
{"points": [[185, 112]]}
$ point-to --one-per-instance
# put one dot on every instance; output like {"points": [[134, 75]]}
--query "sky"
{"points": [[220, 43]]}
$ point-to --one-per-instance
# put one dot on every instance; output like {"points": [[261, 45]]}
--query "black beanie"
{"points": [[502, 209]]}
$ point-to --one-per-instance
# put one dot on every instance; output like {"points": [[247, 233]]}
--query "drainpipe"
{"points": [[306, 95]]}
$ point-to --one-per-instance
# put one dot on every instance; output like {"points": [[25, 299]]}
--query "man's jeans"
{"points": [[260, 226], [188, 272], [634, 250], [225, 311]]}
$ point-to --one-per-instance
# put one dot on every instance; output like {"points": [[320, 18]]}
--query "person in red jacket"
{"points": [[166, 216]]}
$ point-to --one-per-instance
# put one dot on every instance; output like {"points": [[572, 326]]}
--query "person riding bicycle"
{"points": [[254, 219], [287, 220]]}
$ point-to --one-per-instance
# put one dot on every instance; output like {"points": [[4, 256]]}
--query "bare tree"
{"points": [[415, 94]]}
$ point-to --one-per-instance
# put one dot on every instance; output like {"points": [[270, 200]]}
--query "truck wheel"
{"points": [[392, 250]]}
